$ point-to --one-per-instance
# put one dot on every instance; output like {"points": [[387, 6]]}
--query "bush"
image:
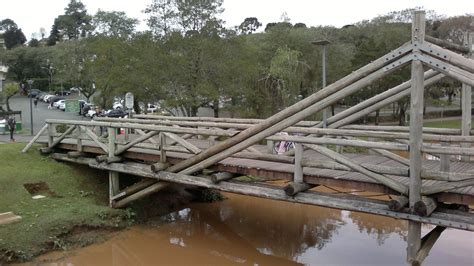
{"points": [[61, 128]]}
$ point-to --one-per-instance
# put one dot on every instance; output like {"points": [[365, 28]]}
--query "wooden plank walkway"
{"points": [[276, 170]]}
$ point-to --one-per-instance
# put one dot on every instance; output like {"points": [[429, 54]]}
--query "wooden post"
{"points": [[416, 129], [444, 160], [79, 140], [162, 147], [298, 174], [466, 101], [270, 144], [50, 135], [113, 176]]}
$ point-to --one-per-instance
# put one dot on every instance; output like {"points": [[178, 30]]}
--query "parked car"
{"points": [[62, 105], [62, 93], [74, 89], [116, 113], [47, 97], [117, 105], [58, 102], [33, 93]]}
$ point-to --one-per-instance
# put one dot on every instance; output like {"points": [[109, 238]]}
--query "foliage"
{"points": [[113, 24], [9, 90], [12, 35], [73, 24]]}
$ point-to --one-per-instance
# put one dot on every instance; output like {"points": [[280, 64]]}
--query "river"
{"points": [[244, 230]]}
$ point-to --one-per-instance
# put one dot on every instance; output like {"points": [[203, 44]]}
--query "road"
{"points": [[40, 113]]}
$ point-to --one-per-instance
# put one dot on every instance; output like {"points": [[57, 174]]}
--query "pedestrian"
{"points": [[35, 102], [11, 125]]}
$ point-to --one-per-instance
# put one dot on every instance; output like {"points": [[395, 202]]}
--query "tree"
{"points": [[162, 16], [249, 25], [9, 90], [113, 24], [12, 35], [34, 43], [75, 22]]}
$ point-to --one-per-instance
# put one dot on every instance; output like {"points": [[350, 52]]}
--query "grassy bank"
{"points": [[77, 198]]}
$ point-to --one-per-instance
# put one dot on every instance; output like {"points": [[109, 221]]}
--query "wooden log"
{"points": [[183, 142], [427, 243], [159, 166], [344, 142], [449, 70], [101, 158], [295, 187], [222, 176], [178, 130], [146, 182], [95, 139], [437, 149], [298, 167], [453, 58], [114, 177], [294, 113], [433, 189], [346, 202], [46, 150], [387, 97], [141, 132], [446, 44], [466, 102], [216, 119], [33, 140], [50, 134], [353, 116], [114, 159], [63, 136], [162, 147], [395, 185], [76, 154], [442, 131], [398, 203], [416, 131], [140, 194], [136, 141], [425, 207], [444, 161]]}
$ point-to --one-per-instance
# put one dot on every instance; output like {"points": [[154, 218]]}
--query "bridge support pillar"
{"points": [[466, 102], [114, 179], [416, 130]]}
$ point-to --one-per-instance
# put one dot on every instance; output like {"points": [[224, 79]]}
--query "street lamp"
{"points": [[30, 85], [323, 43], [50, 69]]}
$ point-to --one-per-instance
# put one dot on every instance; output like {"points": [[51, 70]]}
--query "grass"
{"points": [[454, 123], [81, 200]]}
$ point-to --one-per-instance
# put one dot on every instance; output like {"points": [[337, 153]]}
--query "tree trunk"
{"points": [[215, 108], [401, 116], [7, 102]]}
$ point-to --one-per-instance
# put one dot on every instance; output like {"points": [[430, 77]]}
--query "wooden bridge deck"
{"points": [[277, 170]]}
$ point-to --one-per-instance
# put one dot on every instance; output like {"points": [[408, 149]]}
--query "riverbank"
{"points": [[64, 206], [71, 203]]}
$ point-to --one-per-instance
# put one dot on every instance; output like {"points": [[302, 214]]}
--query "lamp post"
{"points": [[323, 43], [30, 85], [50, 69]]}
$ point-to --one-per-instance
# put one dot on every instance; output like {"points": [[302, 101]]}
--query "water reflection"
{"points": [[251, 231]]}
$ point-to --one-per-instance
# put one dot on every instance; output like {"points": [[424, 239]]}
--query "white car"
{"points": [[117, 105], [57, 103], [62, 106], [45, 98]]}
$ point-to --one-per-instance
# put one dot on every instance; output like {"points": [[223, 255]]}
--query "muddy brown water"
{"points": [[245, 230]]}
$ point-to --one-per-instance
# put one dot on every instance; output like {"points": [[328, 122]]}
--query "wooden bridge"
{"points": [[428, 172]]}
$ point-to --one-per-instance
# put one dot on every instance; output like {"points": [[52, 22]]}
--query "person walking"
{"points": [[35, 102], [11, 125]]}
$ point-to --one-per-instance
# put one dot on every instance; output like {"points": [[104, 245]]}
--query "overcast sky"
{"points": [[31, 15]]}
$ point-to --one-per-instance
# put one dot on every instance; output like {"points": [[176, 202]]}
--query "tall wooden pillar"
{"points": [[466, 94], [113, 176], [416, 130]]}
